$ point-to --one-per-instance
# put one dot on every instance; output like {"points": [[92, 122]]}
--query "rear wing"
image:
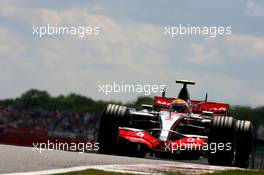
{"points": [[197, 106], [216, 108]]}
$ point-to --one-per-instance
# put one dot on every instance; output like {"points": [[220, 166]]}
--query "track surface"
{"points": [[25, 159]]}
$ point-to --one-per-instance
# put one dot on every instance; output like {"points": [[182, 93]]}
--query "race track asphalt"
{"points": [[25, 159]]}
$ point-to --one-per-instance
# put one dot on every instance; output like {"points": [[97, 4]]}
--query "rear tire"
{"points": [[245, 139], [222, 131]]}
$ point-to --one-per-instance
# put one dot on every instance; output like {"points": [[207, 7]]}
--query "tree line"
{"points": [[77, 103]]}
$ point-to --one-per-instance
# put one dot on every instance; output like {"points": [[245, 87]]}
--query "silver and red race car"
{"points": [[177, 128]]}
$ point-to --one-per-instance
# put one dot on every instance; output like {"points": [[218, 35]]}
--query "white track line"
{"points": [[186, 168], [77, 168]]}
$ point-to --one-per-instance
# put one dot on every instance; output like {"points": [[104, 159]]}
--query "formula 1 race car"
{"points": [[177, 128]]}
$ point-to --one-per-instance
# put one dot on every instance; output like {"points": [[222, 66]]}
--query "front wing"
{"points": [[184, 143]]}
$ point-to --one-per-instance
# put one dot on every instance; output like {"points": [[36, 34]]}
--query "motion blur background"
{"points": [[58, 76]]}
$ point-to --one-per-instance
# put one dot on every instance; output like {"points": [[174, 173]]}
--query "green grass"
{"points": [[100, 172], [94, 172], [239, 172]]}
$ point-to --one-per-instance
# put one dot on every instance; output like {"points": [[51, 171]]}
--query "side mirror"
{"points": [[147, 107], [207, 113]]}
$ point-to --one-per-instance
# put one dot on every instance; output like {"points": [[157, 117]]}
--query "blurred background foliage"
{"points": [[77, 103]]}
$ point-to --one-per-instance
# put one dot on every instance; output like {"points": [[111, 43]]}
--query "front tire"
{"points": [[114, 116]]}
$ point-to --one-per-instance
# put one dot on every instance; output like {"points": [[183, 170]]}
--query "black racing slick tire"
{"points": [[113, 117], [245, 138], [222, 136]]}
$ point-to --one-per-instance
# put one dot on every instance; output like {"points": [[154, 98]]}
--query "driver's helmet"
{"points": [[179, 105]]}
